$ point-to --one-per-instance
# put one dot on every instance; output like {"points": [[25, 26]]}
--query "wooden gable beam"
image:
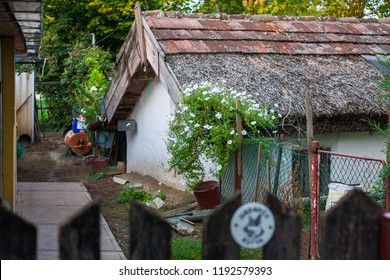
{"points": [[139, 52], [156, 59]]}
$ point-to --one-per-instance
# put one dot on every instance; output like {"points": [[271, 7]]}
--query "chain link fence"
{"points": [[280, 169], [284, 171], [362, 172]]}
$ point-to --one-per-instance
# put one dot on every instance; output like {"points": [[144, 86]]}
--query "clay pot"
{"points": [[207, 194]]}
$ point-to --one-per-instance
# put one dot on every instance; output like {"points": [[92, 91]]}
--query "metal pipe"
{"points": [[355, 157]]}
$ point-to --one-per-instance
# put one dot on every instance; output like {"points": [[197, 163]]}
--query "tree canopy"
{"points": [[81, 38]]}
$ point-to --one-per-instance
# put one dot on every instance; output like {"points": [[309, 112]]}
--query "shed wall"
{"points": [[146, 148]]}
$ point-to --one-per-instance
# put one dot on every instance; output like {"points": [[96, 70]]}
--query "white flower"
{"points": [[197, 125], [230, 142], [273, 117], [93, 89], [208, 127], [276, 105], [218, 115], [253, 123], [202, 142], [185, 108], [232, 132], [244, 132], [272, 111], [214, 90], [207, 98], [192, 115], [191, 121], [186, 128]]}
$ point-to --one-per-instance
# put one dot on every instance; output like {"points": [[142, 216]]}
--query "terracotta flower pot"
{"points": [[207, 194]]}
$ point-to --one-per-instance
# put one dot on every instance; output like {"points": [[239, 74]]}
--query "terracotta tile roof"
{"points": [[265, 34]]}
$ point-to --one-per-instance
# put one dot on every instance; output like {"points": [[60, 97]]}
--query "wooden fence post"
{"points": [[150, 235], [218, 243], [385, 237], [18, 238], [80, 236], [285, 244], [352, 227]]}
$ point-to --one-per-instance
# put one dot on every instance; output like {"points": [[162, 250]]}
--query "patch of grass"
{"points": [[190, 248], [162, 195], [186, 248], [251, 254], [130, 191]]}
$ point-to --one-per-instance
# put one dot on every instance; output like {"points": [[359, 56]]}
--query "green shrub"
{"points": [[162, 195], [130, 191]]}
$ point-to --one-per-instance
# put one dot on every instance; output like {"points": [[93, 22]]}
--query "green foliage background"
{"points": [[69, 57]]}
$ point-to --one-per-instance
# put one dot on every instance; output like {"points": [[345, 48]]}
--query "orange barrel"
{"points": [[78, 141]]}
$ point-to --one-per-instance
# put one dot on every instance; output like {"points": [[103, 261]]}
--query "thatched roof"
{"points": [[344, 89], [276, 59]]}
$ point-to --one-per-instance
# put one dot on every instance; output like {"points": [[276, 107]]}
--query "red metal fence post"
{"points": [[314, 198], [387, 201], [384, 247]]}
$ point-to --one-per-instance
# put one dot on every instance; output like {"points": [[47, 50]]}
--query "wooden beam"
{"points": [[140, 34], [8, 117]]}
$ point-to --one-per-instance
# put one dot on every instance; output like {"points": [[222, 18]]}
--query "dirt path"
{"points": [[50, 162]]}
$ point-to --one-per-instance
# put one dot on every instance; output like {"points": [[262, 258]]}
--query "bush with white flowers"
{"points": [[204, 127]]}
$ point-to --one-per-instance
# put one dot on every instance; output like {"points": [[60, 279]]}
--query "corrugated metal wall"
{"points": [[25, 96]]}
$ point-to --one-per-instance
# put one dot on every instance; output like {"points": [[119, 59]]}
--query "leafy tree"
{"points": [[72, 20], [357, 8], [86, 78], [283, 7], [222, 6]]}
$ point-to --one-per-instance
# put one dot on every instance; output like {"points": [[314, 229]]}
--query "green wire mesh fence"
{"points": [[365, 173], [283, 171]]}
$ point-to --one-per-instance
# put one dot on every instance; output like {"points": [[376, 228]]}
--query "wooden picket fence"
{"points": [[350, 230]]}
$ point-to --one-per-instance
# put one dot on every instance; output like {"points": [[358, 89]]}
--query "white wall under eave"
{"points": [[146, 147], [365, 144]]}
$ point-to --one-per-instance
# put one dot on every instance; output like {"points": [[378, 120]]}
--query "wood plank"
{"points": [[150, 235], [351, 230], [18, 238], [129, 37], [152, 53], [285, 244], [116, 98], [80, 236], [140, 34], [218, 243]]}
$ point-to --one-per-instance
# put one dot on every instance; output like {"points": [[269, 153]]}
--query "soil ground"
{"points": [[50, 161]]}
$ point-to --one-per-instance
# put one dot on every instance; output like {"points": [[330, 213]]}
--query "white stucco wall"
{"points": [[146, 147], [355, 143], [364, 144]]}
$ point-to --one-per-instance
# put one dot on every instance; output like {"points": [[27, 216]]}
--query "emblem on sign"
{"points": [[252, 225]]}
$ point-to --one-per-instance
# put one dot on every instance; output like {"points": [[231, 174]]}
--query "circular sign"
{"points": [[252, 225]]}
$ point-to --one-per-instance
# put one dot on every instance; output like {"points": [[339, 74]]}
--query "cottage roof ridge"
{"points": [[261, 18]]}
